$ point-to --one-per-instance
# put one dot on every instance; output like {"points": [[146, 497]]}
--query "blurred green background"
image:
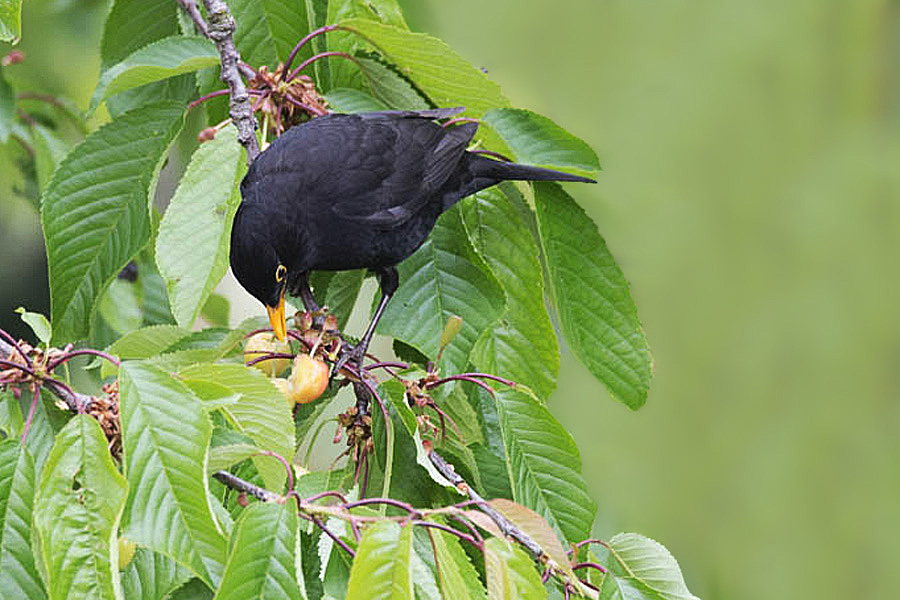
{"points": [[751, 155]]}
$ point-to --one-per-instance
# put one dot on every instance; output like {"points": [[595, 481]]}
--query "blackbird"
{"points": [[355, 191]]}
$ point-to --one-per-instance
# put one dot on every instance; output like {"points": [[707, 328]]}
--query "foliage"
{"points": [[185, 434]]}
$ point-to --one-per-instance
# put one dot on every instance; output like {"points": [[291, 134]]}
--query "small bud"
{"points": [[242, 499], [13, 58], [331, 323], [451, 330], [206, 135], [428, 446]]}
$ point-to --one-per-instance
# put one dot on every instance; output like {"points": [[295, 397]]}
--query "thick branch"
{"points": [[220, 30]]}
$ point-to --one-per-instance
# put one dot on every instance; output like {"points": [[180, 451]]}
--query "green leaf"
{"points": [[151, 576], [7, 103], [95, 213], [442, 74], [345, 73], [76, 513], [641, 569], [388, 87], [132, 24], [457, 577], [223, 457], [120, 306], [10, 21], [49, 151], [252, 36], [349, 100], [341, 288], [265, 555], [544, 465], [382, 568], [165, 438], [216, 310], [596, 311], [154, 300], [38, 323], [261, 413], [511, 575], [143, 343], [159, 60], [522, 346], [193, 240], [19, 576], [444, 277], [537, 528], [536, 140], [268, 29]]}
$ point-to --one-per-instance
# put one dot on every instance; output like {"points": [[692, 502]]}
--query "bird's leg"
{"points": [[300, 288], [390, 280]]}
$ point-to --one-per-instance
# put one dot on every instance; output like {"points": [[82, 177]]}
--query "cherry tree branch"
{"points": [[220, 30]]}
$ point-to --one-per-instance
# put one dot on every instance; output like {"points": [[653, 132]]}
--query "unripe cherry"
{"points": [[264, 343], [308, 379]]}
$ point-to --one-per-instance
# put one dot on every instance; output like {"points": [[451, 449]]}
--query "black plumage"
{"points": [[351, 192]]}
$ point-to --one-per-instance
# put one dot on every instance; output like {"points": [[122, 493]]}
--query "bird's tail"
{"points": [[494, 171]]}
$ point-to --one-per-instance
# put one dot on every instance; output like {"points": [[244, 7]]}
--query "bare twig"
{"points": [[220, 30], [245, 487]]}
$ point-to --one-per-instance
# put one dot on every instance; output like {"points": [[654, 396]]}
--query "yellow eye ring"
{"points": [[280, 273]]}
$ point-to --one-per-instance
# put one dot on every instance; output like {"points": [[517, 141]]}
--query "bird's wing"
{"points": [[415, 167]]}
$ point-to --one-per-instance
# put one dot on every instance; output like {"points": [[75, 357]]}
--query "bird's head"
{"points": [[256, 265]]}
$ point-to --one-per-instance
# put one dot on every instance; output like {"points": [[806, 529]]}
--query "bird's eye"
{"points": [[280, 273]]}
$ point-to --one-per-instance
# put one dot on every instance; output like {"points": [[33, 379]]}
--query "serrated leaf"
{"points": [[261, 413], [76, 513], [222, 457], [49, 151], [349, 100], [19, 576], [390, 88], [511, 575], [536, 140], [641, 569], [596, 311], [544, 465], [165, 438], [132, 24], [10, 21], [457, 578], [154, 300], [265, 555], [522, 346], [341, 289], [7, 101], [344, 73], [159, 60], [143, 343], [95, 213], [537, 528], [252, 36], [151, 576], [444, 277], [441, 73], [382, 568], [192, 245]]}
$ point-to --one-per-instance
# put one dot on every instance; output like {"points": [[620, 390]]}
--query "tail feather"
{"points": [[497, 171]]}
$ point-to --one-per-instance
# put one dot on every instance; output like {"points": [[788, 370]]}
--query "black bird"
{"points": [[359, 191]]}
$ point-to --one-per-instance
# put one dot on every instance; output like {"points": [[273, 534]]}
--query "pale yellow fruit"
{"points": [[263, 343], [126, 552], [308, 380]]}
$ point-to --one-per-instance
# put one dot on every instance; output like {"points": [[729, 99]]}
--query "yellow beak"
{"points": [[276, 318]]}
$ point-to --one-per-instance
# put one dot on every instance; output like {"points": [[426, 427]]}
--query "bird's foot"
{"points": [[351, 355]]}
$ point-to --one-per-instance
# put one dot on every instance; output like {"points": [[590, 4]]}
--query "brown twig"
{"points": [[220, 30]]}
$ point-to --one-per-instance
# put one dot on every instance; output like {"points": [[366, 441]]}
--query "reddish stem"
{"points": [[590, 565], [330, 534], [83, 352], [384, 365], [303, 42], [307, 107], [14, 365], [450, 530], [460, 378], [37, 396], [287, 467], [321, 495], [460, 120], [390, 502], [270, 356], [320, 56]]}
